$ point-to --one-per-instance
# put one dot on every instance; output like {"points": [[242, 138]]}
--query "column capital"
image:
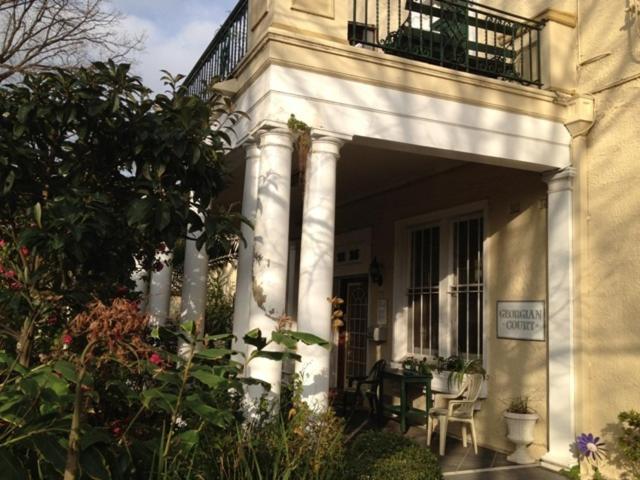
{"points": [[561, 180], [251, 147], [326, 144], [276, 137]]}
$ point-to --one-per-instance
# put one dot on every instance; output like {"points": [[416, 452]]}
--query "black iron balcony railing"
{"points": [[458, 34], [223, 54]]}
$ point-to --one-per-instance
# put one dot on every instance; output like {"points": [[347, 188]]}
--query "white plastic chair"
{"points": [[458, 407]]}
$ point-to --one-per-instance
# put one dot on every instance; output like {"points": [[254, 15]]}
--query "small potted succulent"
{"points": [[521, 421]]}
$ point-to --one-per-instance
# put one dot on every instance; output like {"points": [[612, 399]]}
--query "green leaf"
{"points": [[156, 396], [93, 464], [51, 451], [189, 438], [309, 339], [163, 216], [214, 353], [93, 436], [66, 369], [255, 338], [222, 337], [139, 211], [276, 356], [219, 418], [187, 326], [209, 378], [10, 466], [284, 339]]}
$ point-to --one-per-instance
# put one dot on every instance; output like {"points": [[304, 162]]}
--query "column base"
{"points": [[557, 461]]}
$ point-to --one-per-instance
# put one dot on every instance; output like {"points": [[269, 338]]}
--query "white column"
{"points": [[160, 288], [271, 247], [194, 287], [241, 308], [141, 279], [560, 324], [316, 267]]}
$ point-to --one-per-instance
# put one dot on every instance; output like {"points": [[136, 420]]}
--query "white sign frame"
{"points": [[533, 322]]}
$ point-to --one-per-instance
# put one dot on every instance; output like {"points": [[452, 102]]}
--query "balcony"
{"points": [[223, 54], [456, 34]]}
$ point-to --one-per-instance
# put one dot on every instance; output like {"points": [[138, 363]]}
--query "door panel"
{"points": [[352, 355]]}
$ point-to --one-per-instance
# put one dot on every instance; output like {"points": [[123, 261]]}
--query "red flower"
{"points": [[116, 431], [52, 320], [158, 266], [155, 359], [9, 274], [67, 339], [24, 251], [15, 285]]}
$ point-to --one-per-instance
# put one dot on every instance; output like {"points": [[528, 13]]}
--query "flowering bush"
{"points": [[110, 401]]}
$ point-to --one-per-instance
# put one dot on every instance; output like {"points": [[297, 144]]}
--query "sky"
{"points": [[176, 31]]}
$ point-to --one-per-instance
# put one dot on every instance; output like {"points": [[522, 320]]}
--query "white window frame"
{"points": [[401, 347]]}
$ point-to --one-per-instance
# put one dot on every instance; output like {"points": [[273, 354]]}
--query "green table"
{"points": [[406, 378]]}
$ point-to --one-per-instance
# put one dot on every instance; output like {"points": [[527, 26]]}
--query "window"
{"points": [[424, 290], [467, 286], [442, 285]]}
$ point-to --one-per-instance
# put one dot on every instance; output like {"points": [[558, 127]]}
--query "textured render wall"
{"points": [[515, 268], [609, 378], [531, 8]]}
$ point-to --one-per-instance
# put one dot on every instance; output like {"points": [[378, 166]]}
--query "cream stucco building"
{"points": [[462, 155]]}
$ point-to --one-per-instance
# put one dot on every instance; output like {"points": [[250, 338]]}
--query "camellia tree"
{"points": [[94, 173]]}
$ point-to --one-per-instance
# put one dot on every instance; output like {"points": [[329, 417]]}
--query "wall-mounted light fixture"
{"points": [[375, 272]]}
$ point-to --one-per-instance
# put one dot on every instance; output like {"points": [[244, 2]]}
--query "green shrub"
{"points": [[298, 444], [629, 442], [383, 455]]}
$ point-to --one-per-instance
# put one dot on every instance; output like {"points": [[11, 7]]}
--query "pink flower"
{"points": [[9, 274], [52, 320], [155, 359], [15, 285], [24, 251], [67, 339], [2, 243]]}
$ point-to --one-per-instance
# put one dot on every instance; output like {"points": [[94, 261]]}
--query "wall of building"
{"points": [[515, 266], [610, 255]]}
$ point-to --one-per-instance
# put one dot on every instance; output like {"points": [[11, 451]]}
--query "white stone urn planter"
{"points": [[520, 428]]}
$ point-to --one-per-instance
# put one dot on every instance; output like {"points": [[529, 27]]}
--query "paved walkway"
{"points": [[461, 463]]}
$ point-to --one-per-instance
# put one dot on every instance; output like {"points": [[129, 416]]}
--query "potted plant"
{"points": [[521, 421]]}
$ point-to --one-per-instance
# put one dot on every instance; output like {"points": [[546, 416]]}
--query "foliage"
{"points": [[108, 401], [94, 172], [218, 315], [300, 443], [382, 455], [519, 405], [629, 442], [414, 365]]}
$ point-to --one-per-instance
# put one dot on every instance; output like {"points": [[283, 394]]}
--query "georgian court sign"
{"points": [[523, 320]]}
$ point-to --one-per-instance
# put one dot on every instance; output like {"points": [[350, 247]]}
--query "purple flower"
{"points": [[590, 447]]}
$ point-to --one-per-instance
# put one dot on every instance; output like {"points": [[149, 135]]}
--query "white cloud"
{"points": [[174, 51], [177, 32]]}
